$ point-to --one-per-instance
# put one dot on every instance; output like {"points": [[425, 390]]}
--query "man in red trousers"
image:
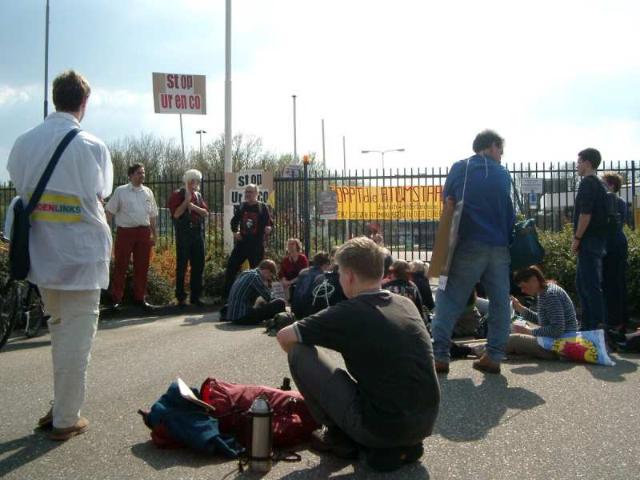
{"points": [[134, 208]]}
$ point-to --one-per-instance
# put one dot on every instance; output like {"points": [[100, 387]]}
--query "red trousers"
{"points": [[136, 240]]}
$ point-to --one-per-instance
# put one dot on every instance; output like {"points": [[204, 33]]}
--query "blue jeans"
{"points": [[473, 262], [589, 281]]}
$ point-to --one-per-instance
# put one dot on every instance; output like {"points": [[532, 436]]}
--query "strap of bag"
{"points": [[46, 176], [464, 185]]}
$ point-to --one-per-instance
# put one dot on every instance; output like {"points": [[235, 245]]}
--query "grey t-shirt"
{"points": [[387, 350]]}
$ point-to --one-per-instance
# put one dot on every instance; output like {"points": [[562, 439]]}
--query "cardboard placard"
{"points": [[440, 252]]}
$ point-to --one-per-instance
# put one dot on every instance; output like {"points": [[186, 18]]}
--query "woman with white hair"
{"points": [[188, 210]]}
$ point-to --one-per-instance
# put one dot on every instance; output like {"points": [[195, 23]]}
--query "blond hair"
{"points": [[363, 256]]}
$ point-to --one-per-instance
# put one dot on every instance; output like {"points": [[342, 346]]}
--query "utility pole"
{"points": [[228, 165], [324, 159], [46, 62], [295, 145]]}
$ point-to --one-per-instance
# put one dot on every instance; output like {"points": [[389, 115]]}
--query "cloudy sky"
{"points": [[551, 76]]}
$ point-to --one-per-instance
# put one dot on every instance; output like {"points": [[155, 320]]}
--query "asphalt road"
{"points": [[538, 421]]}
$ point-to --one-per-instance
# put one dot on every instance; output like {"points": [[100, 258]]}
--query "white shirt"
{"points": [[132, 206], [70, 240]]}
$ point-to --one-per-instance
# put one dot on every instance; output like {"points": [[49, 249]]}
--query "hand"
{"points": [[237, 236], [267, 230], [450, 203], [575, 246], [517, 306], [520, 329], [152, 238]]}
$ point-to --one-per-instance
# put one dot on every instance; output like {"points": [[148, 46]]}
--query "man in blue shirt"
{"points": [[250, 285], [482, 251]]}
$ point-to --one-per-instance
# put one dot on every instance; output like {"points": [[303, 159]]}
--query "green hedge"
{"points": [[560, 263]]}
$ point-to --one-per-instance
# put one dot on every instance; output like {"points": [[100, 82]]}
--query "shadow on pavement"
{"points": [[25, 450], [329, 465], [160, 459], [613, 374], [540, 366], [230, 327], [23, 343], [468, 411]]}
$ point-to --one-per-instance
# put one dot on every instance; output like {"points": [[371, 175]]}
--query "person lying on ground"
{"points": [[556, 314], [401, 285], [248, 286], [386, 401]]}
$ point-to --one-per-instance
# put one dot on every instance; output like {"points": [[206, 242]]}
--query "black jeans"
{"points": [[334, 399], [252, 250], [263, 312], [189, 249], [614, 284]]}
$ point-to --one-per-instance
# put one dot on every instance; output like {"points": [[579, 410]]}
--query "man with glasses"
{"points": [[134, 208], [250, 223], [482, 252], [189, 210]]}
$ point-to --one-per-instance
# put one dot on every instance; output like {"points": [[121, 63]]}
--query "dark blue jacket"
{"points": [[487, 215]]}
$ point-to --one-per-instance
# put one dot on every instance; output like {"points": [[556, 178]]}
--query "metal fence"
{"points": [[379, 200]]}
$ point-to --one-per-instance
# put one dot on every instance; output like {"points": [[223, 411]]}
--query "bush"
{"points": [[560, 263], [213, 286]]}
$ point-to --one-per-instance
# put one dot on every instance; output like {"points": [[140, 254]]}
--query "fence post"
{"points": [[633, 194], [307, 220]]}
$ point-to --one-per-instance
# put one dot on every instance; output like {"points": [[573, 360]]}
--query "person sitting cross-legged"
{"points": [[386, 401], [251, 284], [401, 284], [556, 314]]}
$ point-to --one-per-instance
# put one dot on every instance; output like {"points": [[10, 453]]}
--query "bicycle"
{"points": [[20, 306]]}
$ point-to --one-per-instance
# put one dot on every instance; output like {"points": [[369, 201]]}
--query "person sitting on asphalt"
{"points": [[386, 402], [556, 314], [302, 298], [291, 265], [419, 277], [401, 285], [251, 284]]}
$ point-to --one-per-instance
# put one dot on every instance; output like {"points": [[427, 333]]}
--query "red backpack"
{"points": [[291, 423]]}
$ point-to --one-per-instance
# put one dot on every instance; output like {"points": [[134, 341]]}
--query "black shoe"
{"points": [[116, 307], [335, 441], [182, 303], [146, 306], [223, 314], [389, 459], [199, 303]]}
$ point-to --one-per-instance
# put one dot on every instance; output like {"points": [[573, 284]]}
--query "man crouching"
{"points": [[387, 403]]}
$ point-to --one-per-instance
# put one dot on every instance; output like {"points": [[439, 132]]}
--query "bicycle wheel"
{"points": [[8, 311], [33, 311]]}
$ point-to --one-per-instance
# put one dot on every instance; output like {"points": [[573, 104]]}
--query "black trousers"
{"points": [[252, 250], [614, 287], [189, 249], [263, 312]]}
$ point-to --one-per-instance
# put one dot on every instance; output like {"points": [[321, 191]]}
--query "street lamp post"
{"points": [[382, 152], [200, 132]]}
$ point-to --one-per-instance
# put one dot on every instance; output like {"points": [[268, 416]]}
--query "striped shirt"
{"points": [[556, 314], [244, 292]]}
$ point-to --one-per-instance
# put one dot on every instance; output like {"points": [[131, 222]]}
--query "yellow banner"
{"points": [[389, 203]]}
